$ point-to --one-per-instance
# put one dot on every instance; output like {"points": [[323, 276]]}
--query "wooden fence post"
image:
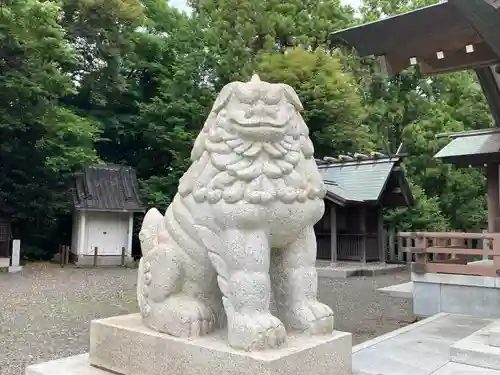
{"points": [[487, 245], [440, 242], [62, 255], [496, 250], [66, 257], [401, 251], [391, 242], [421, 257], [95, 256], [123, 257]]}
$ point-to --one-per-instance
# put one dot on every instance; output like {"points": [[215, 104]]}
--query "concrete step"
{"points": [[476, 350], [343, 270], [460, 369], [404, 290], [422, 348]]}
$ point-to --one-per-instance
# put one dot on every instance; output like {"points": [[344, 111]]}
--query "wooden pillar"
{"points": [[82, 248], [362, 227], [493, 196], [380, 235], [333, 233], [130, 233]]}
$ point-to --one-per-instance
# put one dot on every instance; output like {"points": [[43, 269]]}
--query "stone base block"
{"points": [[475, 350], [346, 270], [404, 290], [76, 365], [456, 294], [15, 269], [122, 345]]}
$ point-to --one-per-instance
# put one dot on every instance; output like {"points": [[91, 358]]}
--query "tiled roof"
{"points": [[358, 180], [107, 187]]}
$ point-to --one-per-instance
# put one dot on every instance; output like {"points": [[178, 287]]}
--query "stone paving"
{"points": [[422, 348]]}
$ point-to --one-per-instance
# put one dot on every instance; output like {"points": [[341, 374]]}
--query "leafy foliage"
{"points": [[237, 32], [332, 104], [42, 141], [131, 82]]}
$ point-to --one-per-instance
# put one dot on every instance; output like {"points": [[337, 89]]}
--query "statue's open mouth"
{"points": [[261, 121], [260, 129]]}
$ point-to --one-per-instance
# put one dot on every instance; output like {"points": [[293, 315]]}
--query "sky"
{"points": [[181, 4]]}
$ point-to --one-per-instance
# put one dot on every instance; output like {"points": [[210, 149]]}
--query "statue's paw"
{"points": [[256, 331], [314, 317], [181, 316]]}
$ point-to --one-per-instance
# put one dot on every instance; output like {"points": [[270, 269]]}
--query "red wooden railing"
{"points": [[453, 252]]}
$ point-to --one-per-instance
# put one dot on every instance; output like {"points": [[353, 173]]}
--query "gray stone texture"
{"points": [[426, 299], [404, 290], [494, 334], [42, 321], [124, 346], [75, 365], [422, 348], [456, 294], [253, 185], [475, 350], [346, 270]]}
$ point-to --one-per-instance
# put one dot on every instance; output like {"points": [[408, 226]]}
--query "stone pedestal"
{"points": [[122, 345], [16, 256]]}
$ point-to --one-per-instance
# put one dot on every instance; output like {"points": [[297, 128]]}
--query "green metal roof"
{"points": [[359, 180], [471, 145]]}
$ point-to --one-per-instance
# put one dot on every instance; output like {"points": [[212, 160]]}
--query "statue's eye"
{"points": [[273, 96], [247, 96], [272, 99]]}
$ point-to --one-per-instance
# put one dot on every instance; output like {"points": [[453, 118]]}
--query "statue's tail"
{"points": [[152, 226]]}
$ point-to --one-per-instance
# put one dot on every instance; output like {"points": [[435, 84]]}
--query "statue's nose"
{"points": [[262, 110]]}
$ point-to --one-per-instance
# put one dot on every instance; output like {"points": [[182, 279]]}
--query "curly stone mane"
{"points": [[254, 146]]}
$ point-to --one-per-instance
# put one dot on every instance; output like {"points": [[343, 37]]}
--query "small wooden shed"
{"points": [[358, 189], [105, 197]]}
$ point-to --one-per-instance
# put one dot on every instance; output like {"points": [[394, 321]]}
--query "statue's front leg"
{"points": [[295, 283], [250, 324]]}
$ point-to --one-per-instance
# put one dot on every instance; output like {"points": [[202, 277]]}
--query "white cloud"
{"points": [[354, 3], [179, 4]]}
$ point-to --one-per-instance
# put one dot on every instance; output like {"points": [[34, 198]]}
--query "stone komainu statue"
{"points": [[240, 228]]}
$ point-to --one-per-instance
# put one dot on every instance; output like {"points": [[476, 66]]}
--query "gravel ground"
{"points": [[46, 310]]}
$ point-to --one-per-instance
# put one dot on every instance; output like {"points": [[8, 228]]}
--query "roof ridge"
{"points": [[356, 158], [469, 133], [108, 187]]}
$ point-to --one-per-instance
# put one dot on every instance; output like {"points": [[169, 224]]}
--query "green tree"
{"points": [[461, 192], [373, 10], [148, 93], [42, 141], [236, 32], [413, 109], [332, 104], [424, 215]]}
